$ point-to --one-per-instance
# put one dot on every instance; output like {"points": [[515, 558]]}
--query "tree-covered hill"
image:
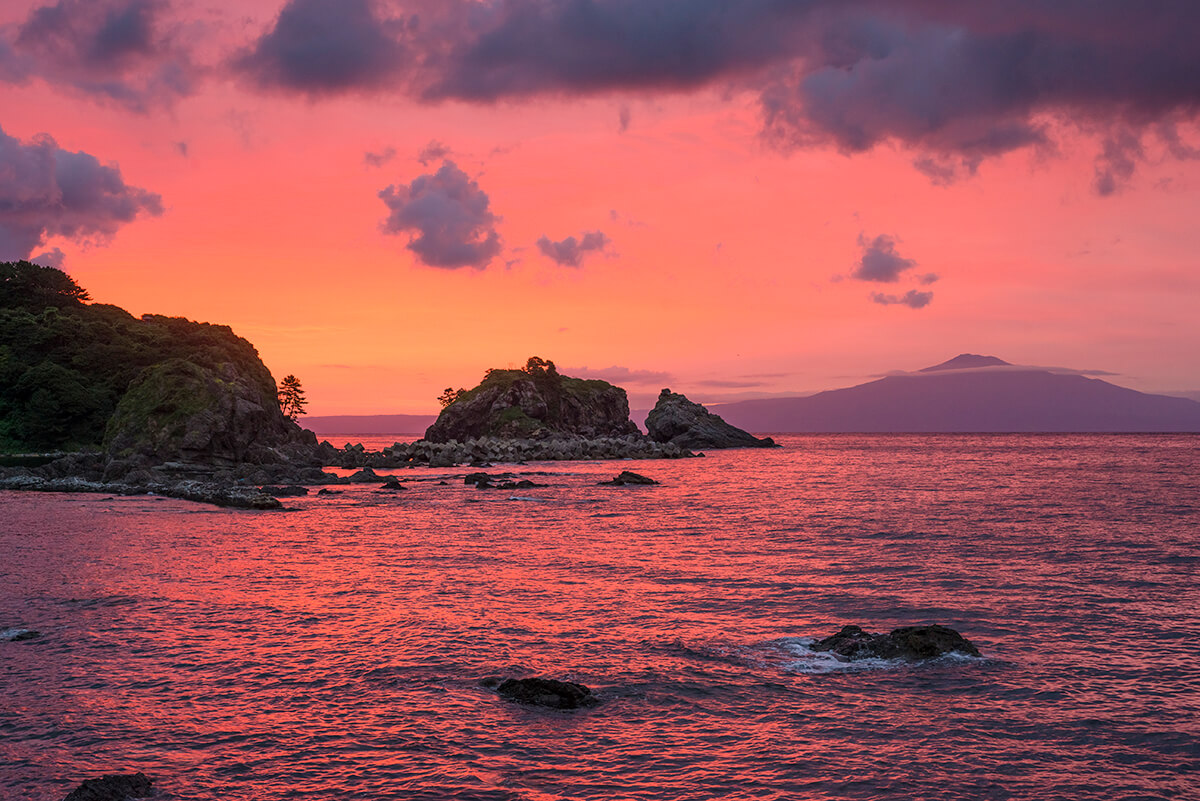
{"points": [[65, 363]]}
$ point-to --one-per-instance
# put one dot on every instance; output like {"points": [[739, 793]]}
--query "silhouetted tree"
{"points": [[539, 366], [32, 286], [291, 397], [450, 396]]}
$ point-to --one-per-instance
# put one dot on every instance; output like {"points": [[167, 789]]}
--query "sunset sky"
{"points": [[733, 199]]}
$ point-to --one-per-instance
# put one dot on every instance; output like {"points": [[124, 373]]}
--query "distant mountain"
{"points": [[324, 425], [971, 393]]}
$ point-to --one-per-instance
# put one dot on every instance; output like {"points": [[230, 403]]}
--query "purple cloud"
{"points": [[621, 375], [47, 191], [372, 159], [955, 82], [570, 252], [448, 218], [913, 298], [324, 47], [434, 151], [880, 261], [120, 51]]}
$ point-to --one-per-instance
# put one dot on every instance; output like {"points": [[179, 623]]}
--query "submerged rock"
{"points": [[116, 787], [392, 483], [550, 693], [677, 420], [290, 491], [913, 643], [628, 477], [18, 635]]}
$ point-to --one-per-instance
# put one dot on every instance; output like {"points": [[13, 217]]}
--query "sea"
{"points": [[338, 649]]}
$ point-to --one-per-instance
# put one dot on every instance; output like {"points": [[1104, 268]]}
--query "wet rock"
{"points": [[549, 693], [290, 491], [324, 491], [392, 483], [116, 787], [364, 476], [913, 643], [19, 635], [628, 477], [677, 420]]}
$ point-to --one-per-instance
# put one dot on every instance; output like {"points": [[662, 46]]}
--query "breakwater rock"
{"points": [[115, 787], [913, 643], [481, 450], [229, 495], [679, 421]]}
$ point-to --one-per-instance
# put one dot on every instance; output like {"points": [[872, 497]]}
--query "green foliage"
{"points": [[24, 285], [450, 395], [291, 397], [65, 364]]}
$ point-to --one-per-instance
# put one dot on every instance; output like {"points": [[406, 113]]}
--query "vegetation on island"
{"points": [[65, 363], [291, 397]]}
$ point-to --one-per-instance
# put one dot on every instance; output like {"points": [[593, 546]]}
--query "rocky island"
{"points": [[101, 401]]}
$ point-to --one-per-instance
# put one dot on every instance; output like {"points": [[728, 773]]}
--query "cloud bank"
{"points": [[47, 191], [955, 82], [447, 216]]}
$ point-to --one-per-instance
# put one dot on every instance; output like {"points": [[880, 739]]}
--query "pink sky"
{"points": [[728, 269]]}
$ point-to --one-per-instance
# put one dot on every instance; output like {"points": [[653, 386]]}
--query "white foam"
{"points": [[806, 660], [12, 634]]}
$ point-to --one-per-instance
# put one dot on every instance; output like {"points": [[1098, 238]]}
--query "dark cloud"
{"points": [[570, 252], [322, 47], [621, 375], [121, 51], [380, 158], [956, 82], [47, 191], [448, 217], [912, 298], [434, 151], [880, 261]]}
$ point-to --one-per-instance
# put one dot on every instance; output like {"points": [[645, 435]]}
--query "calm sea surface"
{"points": [[335, 650]]}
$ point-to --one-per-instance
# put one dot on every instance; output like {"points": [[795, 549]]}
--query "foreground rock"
{"points": [[117, 787], [233, 496], [549, 693], [534, 402], [500, 450], [627, 477], [18, 635], [678, 421], [913, 643]]}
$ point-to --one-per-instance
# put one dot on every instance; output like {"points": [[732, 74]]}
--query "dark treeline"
{"points": [[65, 363]]}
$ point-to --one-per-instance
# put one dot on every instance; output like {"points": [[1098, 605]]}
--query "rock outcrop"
{"points": [[913, 643], [116, 787], [678, 421], [627, 477], [217, 417], [550, 693], [534, 403]]}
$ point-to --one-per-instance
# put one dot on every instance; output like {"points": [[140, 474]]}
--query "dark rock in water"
{"points": [[285, 492], [677, 420], [534, 402], [546, 692], [475, 478], [913, 643], [117, 787], [628, 477], [324, 491], [364, 476], [19, 635], [392, 483]]}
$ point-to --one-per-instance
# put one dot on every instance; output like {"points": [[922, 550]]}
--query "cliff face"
{"points": [[222, 416], [677, 420], [534, 403]]}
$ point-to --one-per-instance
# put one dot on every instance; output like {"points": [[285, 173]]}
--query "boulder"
{"points": [[676, 420], [627, 477], [549, 693], [912, 643], [116, 787], [291, 491], [19, 635]]}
